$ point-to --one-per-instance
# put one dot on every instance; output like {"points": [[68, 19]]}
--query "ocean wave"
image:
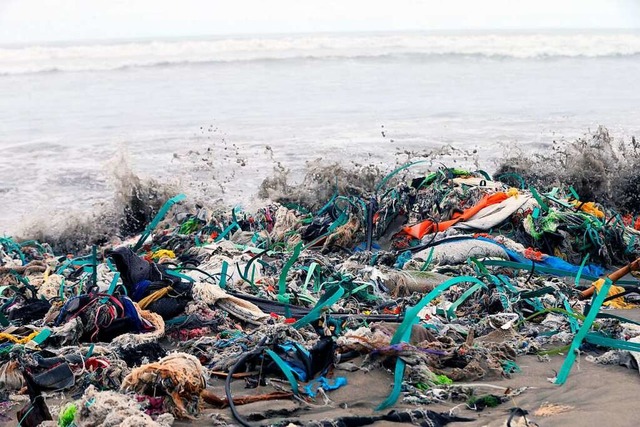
{"points": [[115, 56]]}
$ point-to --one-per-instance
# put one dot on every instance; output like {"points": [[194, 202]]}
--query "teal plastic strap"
{"points": [[3, 320], [179, 275], [582, 332], [90, 351], [327, 300], [410, 317], [226, 231], [286, 370], [451, 311], [384, 180], [223, 275], [612, 343], [112, 287], [42, 336], [573, 323], [398, 375], [541, 202], [427, 263], [282, 281], [403, 333], [537, 268], [94, 265], [156, 220], [310, 271]]}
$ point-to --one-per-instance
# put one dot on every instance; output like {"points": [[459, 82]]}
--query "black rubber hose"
{"points": [[227, 383]]}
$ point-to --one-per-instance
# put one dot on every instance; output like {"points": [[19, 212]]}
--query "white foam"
{"points": [[33, 59]]}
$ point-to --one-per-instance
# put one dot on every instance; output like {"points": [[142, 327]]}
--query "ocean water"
{"points": [[214, 117]]}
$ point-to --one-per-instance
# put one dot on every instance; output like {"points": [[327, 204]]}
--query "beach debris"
{"points": [[443, 279]]}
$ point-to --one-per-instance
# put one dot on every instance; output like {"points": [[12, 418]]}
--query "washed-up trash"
{"points": [[180, 377], [438, 279]]}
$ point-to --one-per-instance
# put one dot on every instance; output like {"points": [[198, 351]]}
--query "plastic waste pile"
{"points": [[439, 280]]}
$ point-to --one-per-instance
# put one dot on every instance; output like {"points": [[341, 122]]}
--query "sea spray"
{"points": [[134, 202], [324, 179], [596, 165]]}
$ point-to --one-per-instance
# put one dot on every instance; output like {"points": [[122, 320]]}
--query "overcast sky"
{"points": [[25, 21]]}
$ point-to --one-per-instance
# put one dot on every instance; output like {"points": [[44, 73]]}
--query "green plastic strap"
{"points": [[629, 248], [340, 221], [582, 332], [360, 288], [286, 370], [507, 284], [411, 315], [541, 202], [114, 283], [223, 274], [156, 220], [253, 268], [485, 175], [327, 300], [398, 374], [504, 300], [13, 247], [282, 281], [537, 293], [574, 193], [523, 183], [327, 205]]}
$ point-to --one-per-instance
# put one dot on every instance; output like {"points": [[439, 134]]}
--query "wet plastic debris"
{"points": [[444, 279]]}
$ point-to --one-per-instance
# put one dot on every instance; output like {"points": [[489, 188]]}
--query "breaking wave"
{"points": [[133, 204], [121, 55], [597, 166]]}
